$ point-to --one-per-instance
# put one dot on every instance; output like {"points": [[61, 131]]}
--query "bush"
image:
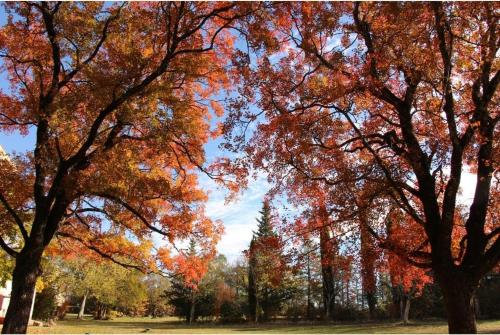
{"points": [[112, 314], [231, 312], [296, 312], [345, 313], [488, 296]]}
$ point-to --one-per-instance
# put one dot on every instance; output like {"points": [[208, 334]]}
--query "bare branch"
{"points": [[15, 216]]}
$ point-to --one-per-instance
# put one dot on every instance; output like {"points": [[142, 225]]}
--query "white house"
{"points": [[5, 299]]}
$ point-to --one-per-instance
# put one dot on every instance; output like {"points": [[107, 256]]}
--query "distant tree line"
{"points": [[276, 278]]}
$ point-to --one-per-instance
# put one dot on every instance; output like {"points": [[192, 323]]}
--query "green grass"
{"points": [[173, 326]]}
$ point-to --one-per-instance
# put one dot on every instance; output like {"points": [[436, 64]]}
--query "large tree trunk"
{"points": [[477, 307], [82, 306], [26, 272], [396, 302], [265, 304], [327, 254], [368, 254], [371, 301], [309, 300], [458, 297], [252, 286]]}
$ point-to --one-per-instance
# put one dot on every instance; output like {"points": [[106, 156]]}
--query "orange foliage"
{"points": [[118, 97]]}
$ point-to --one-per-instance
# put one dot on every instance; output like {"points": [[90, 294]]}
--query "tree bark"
{"points": [[191, 310], [405, 308], [371, 301], [327, 271], [252, 286], [368, 252], [82, 307], [309, 300], [101, 311], [458, 297], [26, 272], [477, 307]]}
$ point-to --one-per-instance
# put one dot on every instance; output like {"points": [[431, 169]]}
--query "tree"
{"points": [[117, 97], [328, 252], [368, 258], [188, 293], [407, 280], [75, 272], [50, 292], [236, 277], [398, 97], [333, 265], [266, 266], [88, 276], [155, 287]]}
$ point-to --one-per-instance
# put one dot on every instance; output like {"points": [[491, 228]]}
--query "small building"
{"points": [[5, 300]]}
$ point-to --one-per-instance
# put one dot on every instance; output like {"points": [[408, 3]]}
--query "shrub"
{"points": [[231, 312]]}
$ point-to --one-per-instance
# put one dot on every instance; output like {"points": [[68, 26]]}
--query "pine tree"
{"points": [[265, 228], [264, 264]]}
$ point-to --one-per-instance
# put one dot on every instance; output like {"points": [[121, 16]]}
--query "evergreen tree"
{"points": [[265, 228], [266, 263]]}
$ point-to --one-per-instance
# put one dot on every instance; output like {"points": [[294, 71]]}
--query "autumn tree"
{"points": [[399, 97], [267, 266], [155, 288], [76, 273], [407, 280], [205, 298], [333, 265], [368, 256], [328, 251], [113, 287], [116, 96]]}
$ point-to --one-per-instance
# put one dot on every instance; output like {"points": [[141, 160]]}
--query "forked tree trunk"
{"points": [[82, 306], [24, 276]]}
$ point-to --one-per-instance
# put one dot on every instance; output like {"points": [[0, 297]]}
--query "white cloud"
{"points": [[467, 187], [239, 216]]}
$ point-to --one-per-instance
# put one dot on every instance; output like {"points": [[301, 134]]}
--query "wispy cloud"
{"points": [[239, 216]]}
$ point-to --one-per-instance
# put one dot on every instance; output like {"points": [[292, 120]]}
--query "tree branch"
{"points": [[14, 215], [11, 252]]}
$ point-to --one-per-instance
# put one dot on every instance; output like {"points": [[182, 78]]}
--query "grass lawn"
{"points": [[169, 325]]}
